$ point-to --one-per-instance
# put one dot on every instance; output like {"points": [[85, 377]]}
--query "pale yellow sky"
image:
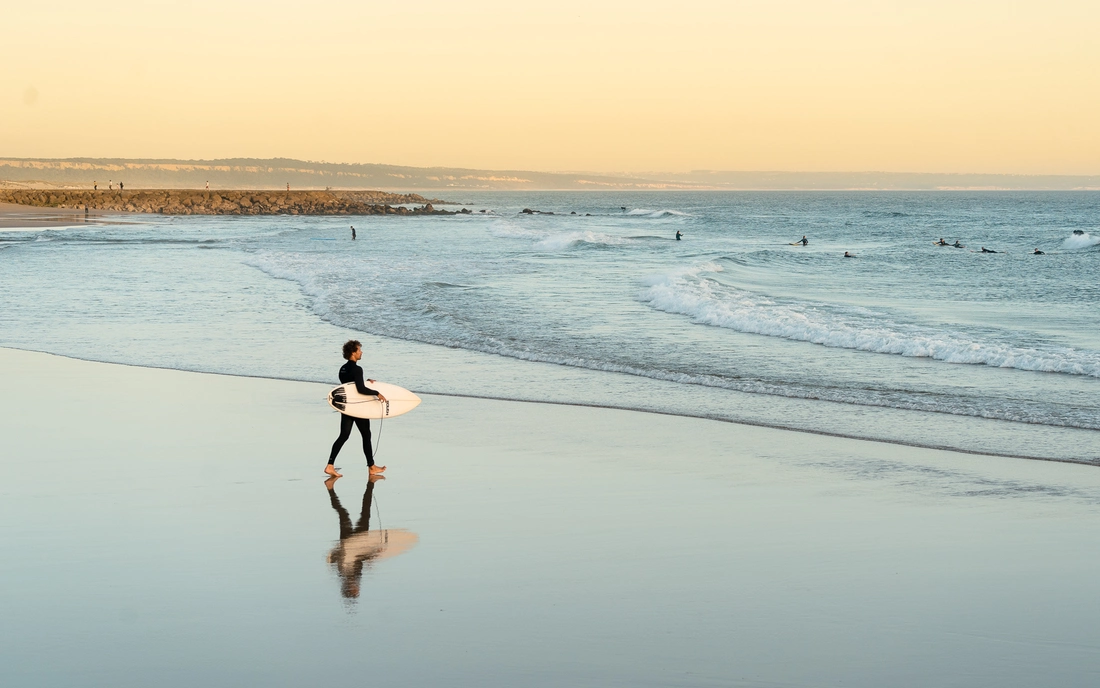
{"points": [[922, 85]]}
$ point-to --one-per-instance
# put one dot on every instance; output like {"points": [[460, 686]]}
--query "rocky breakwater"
{"points": [[187, 202]]}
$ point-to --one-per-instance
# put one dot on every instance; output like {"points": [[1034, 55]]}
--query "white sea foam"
{"points": [[693, 293], [664, 212], [556, 241], [332, 301], [1078, 241]]}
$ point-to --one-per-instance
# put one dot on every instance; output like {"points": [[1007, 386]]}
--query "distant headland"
{"points": [[276, 173], [222, 202]]}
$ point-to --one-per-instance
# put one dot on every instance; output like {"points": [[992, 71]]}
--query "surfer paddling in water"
{"points": [[351, 372]]}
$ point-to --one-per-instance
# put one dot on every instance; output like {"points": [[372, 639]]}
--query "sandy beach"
{"points": [[170, 528], [14, 216]]}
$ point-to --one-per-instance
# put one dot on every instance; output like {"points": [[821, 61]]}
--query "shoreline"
{"points": [[609, 407], [183, 514], [15, 216]]}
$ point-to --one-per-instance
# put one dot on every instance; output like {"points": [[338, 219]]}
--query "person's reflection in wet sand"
{"points": [[360, 546]]}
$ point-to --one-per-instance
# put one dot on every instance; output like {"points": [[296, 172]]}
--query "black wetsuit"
{"points": [[678, 235], [351, 372]]}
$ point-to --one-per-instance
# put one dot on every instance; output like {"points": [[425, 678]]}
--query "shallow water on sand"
{"points": [[906, 342], [178, 540]]}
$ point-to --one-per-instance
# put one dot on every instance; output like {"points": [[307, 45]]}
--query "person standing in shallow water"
{"points": [[353, 232], [351, 372]]}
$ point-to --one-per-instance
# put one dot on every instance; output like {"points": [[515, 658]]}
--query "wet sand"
{"points": [[13, 216], [173, 529]]}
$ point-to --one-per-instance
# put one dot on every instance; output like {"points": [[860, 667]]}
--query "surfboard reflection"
{"points": [[360, 546]]}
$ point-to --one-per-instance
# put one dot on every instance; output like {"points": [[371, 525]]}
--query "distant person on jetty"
{"points": [[1037, 252], [207, 186], [95, 186], [353, 232], [678, 235], [351, 372], [120, 186], [110, 185], [288, 187]]}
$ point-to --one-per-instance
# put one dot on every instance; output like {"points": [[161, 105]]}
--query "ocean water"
{"points": [[908, 342]]}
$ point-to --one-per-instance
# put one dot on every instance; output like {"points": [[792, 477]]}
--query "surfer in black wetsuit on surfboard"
{"points": [[351, 372]]}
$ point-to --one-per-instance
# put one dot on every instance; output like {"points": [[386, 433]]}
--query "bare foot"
{"points": [[329, 470], [331, 482], [377, 469]]}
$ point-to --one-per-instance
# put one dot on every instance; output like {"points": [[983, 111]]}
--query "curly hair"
{"points": [[350, 347]]}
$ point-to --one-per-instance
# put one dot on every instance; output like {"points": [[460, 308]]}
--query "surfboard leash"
{"points": [[378, 442]]}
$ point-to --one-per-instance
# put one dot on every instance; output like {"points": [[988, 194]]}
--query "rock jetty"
{"points": [[188, 202]]}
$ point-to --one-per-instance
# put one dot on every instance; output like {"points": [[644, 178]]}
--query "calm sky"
{"points": [[598, 85]]}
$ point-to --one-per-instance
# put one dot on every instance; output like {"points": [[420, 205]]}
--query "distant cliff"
{"points": [[276, 173], [252, 173], [191, 202]]}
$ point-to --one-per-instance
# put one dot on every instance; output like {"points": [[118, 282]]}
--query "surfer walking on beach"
{"points": [[351, 372]]}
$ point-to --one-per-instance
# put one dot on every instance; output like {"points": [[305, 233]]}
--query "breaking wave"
{"points": [[1079, 241], [707, 301], [558, 241], [329, 301], [664, 212]]}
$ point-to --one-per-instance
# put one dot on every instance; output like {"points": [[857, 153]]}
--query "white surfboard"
{"points": [[350, 402]]}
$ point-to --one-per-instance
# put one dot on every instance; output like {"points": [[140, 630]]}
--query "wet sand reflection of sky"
{"points": [[360, 547]]}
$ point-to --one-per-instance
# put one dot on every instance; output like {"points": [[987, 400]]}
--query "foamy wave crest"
{"points": [[706, 301], [1078, 241], [664, 212], [330, 300], [557, 241]]}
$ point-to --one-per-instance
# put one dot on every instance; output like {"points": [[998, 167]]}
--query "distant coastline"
{"points": [[222, 202], [276, 173]]}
